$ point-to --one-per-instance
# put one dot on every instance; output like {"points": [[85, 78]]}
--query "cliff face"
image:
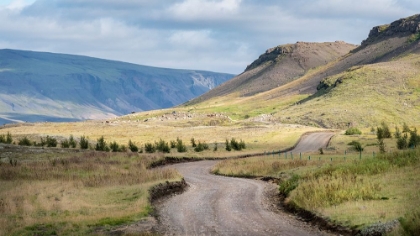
{"points": [[403, 27]]}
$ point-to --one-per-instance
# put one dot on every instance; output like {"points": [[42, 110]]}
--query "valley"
{"points": [[290, 111]]}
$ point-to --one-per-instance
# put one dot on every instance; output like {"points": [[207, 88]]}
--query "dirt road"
{"points": [[216, 205]]}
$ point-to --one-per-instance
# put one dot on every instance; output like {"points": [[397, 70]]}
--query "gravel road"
{"points": [[217, 205]]}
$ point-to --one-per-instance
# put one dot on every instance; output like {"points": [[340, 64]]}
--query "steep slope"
{"points": [[38, 86], [383, 86], [377, 81], [278, 66]]}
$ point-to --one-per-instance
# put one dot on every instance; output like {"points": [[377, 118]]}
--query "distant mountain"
{"points": [[40, 86]]}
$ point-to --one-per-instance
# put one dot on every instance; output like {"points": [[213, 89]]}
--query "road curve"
{"points": [[217, 205]]}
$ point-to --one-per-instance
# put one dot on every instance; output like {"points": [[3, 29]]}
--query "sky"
{"points": [[213, 35]]}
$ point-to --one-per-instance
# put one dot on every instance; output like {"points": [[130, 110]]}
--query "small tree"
{"points": [[51, 142], [414, 139], [180, 147], [25, 142], [72, 142], [215, 147], [65, 143], [101, 145], [114, 146], [385, 130], [9, 139], [173, 143], [149, 148], [406, 129], [162, 146], [133, 147], [193, 144], [381, 145], [228, 147], [402, 141], [397, 133], [83, 142]]}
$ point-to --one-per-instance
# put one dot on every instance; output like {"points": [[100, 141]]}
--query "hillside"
{"points": [[376, 81], [278, 66], [39, 86]]}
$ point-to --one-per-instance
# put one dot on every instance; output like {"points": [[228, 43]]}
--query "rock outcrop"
{"points": [[404, 26]]}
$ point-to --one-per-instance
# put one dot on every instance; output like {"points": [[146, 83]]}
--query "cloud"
{"points": [[217, 35]]}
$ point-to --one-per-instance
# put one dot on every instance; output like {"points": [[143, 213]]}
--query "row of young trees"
{"points": [[102, 145], [407, 138]]}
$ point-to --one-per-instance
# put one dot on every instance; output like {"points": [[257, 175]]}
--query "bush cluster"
{"points": [[6, 138], [235, 145], [353, 131]]}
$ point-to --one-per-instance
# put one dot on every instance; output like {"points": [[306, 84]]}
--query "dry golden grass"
{"points": [[72, 193], [258, 136], [340, 185]]}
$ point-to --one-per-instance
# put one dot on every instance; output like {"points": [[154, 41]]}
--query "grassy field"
{"points": [[56, 192], [348, 189], [149, 127]]}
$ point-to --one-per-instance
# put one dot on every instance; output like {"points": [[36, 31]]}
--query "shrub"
{"points": [[83, 142], [402, 141], [180, 147], [133, 147], [287, 186], [65, 143], [356, 146], [237, 145], [215, 147], [228, 147], [149, 148], [25, 142], [173, 143], [381, 145], [383, 131], [9, 139], [414, 139], [193, 144], [101, 145], [406, 129], [122, 148], [353, 131], [72, 142], [162, 146], [51, 142], [2, 138], [201, 147], [114, 147]]}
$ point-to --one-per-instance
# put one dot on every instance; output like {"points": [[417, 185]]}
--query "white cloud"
{"points": [[218, 35], [205, 9]]}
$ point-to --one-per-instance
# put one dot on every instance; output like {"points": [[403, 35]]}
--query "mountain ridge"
{"points": [[374, 82], [63, 86]]}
